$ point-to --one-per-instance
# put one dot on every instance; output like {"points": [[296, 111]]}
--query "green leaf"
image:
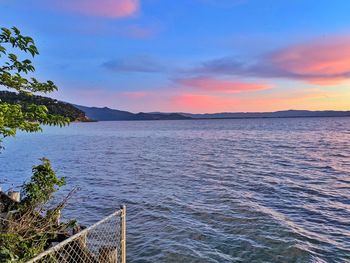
{"points": [[13, 76]]}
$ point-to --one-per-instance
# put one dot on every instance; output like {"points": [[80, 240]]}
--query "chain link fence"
{"points": [[103, 242]]}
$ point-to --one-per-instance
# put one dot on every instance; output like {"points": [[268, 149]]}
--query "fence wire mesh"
{"points": [[103, 242]]}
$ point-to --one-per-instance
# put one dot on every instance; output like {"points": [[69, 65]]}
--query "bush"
{"points": [[33, 225]]}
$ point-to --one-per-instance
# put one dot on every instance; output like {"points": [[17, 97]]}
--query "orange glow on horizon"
{"points": [[179, 101], [209, 84]]}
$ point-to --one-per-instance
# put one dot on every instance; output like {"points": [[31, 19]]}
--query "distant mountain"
{"points": [[83, 113], [107, 114], [54, 106], [277, 114]]}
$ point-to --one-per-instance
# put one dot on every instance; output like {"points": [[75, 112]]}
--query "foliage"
{"points": [[30, 226], [54, 106], [42, 185], [31, 229], [14, 75]]}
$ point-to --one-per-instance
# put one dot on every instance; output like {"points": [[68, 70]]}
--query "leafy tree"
{"points": [[29, 226], [14, 75], [54, 106]]}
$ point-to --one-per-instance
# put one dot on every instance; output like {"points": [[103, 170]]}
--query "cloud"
{"points": [[325, 61], [321, 62], [314, 99], [209, 84], [143, 64], [179, 100], [103, 8], [201, 103]]}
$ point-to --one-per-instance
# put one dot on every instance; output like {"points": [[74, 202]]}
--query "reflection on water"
{"points": [[268, 190]]}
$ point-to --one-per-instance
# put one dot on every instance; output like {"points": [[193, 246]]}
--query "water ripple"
{"points": [[272, 190]]}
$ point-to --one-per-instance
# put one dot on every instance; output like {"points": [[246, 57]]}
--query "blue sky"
{"points": [[191, 55]]}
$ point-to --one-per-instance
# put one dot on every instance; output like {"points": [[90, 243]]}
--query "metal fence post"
{"points": [[104, 241], [123, 234]]}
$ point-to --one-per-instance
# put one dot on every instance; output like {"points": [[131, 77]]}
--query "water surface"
{"points": [[262, 190]]}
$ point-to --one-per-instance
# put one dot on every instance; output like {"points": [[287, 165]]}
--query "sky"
{"points": [[199, 56]]}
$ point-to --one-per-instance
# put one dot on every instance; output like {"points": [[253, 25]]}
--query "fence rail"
{"points": [[103, 242]]}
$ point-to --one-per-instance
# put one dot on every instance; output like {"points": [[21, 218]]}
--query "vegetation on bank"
{"points": [[53, 106], [29, 226], [14, 76]]}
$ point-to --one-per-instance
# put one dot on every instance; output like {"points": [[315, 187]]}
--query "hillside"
{"points": [[107, 114], [84, 113], [54, 106]]}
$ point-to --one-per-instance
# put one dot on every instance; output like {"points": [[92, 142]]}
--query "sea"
{"points": [[240, 190]]}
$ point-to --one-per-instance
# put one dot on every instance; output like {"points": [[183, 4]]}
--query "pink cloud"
{"points": [[209, 84], [105, 8], [176, 100], [312, 100], [323, 61], [201, 103]]}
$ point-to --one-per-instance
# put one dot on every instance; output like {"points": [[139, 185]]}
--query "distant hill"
{"points": [[54, 106], [276, 114], [83, 113], [107, 114]]}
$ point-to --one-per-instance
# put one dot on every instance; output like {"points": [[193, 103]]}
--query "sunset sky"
{"points": [[191, 55]]}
